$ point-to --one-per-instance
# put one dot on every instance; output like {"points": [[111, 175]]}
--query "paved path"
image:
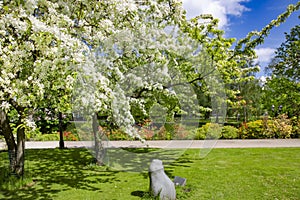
{"points": [[193, 144]]}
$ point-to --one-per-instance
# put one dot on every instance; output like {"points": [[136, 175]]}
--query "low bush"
{"points": [[279, 127], [288, 130], [282, 127], [33, 134], [251, 130], [38, 136], [147, 133], [208, 131], [229, 132], [47, 137], [168, 132], [117, 134], [296, 127], [215, 131], [162, 134], [69, 136], [181, 132]]}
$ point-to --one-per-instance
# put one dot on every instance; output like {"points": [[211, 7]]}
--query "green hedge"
{"points": [[279, 127]]}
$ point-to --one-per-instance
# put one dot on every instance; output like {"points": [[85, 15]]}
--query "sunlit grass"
{"points": [[224, 174]]}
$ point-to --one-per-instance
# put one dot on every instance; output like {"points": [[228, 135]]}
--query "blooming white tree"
{"points": [[37, 60]]}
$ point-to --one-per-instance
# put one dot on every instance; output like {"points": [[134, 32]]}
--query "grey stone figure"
{"points": [[160, 183]]}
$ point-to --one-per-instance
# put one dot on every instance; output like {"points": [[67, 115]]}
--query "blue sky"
{"points": [[238, 17]]}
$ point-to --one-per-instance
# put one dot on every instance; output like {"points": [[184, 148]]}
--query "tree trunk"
{"points": [[99, 149], [16, 152], [61, 136], [20, 156], [9, 139]]}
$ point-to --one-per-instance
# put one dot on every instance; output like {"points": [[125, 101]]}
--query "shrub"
{"points": [[200, 134], [270, 129], [296, 127], [117, 134], [163, 134], [69, 136], [48, 137], [229, 132], [147, 133], [251, 130], [280, 127], [181, 133], [33, 134], [167, 132], [173, 131], [283, 126], [259, 129], [208, 131]]}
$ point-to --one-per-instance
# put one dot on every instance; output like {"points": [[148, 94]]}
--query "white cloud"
{"points": [[264, 55], [218, 8]]}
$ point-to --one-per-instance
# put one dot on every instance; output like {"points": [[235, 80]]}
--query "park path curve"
{"points": [[169, 144]]}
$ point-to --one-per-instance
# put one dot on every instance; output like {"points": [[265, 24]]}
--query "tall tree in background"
{"points": [[246, 103], [286, 63], [282, 89]]}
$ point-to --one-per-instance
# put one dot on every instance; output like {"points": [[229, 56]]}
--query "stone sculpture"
{"points": [[160, 184]]}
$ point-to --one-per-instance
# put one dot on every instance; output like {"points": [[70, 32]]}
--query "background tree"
{"points": [[246, 103], [282, 89], [286, 62], [281, 95]]}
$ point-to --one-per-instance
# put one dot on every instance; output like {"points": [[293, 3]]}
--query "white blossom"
{"points": [[5, 106], [29, 124]]}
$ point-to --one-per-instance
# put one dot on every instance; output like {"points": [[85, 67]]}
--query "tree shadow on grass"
{"points": [[54, 171], [139, 159], [142, 194]]}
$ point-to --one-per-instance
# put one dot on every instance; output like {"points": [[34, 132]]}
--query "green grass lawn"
{"points": [[223, 174]]}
